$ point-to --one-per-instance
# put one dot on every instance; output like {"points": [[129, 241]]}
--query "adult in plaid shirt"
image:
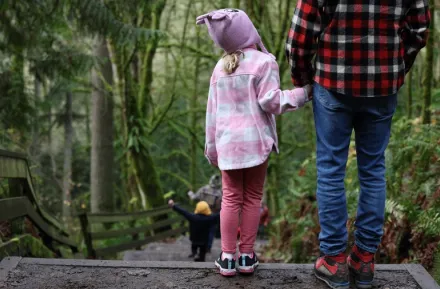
{"points": [[362, 50]]}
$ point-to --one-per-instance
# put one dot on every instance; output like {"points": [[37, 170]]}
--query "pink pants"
{"points": [[242, 193]]}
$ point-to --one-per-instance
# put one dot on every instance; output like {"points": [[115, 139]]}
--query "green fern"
{"points": [[429, 222], [394, 209], [95, 17]]}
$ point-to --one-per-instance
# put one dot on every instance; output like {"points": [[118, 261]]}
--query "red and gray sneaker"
{"points": [[247, 263], [333, 270], [361, 266], [226, 266]]}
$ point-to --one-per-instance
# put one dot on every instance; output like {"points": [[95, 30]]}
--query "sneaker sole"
{"points": [[333, 285], [225, 272], [248, 269], [360, 284]]}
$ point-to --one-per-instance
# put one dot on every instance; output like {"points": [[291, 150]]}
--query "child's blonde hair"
{"points": [[232, 61]]}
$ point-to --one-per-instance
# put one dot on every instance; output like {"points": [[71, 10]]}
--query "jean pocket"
{"points": [[388, 105], [326, 97]]}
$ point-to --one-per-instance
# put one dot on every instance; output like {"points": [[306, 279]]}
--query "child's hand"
{"points": [[170, 203]]}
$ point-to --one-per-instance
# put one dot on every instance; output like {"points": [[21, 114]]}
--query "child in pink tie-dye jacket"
{"points": [[244, 97]]}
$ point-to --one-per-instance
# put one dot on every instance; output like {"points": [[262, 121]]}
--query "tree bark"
{"points": [[87, 121], [67, 168], [102, 154], [428, 71]]}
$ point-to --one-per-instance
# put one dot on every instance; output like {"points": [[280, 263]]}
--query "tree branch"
{"points": [[163, 114], [192, 49]]}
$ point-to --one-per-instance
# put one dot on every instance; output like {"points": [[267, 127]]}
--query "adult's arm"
{"points": [[415, 30], [302, 42]]}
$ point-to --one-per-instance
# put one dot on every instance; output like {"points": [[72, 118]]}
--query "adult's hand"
{"points": [[171, 203], [309, 89]]}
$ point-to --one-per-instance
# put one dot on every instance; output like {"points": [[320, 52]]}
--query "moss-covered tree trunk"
{"points": [[138, 115], [101, 175], [428, 69]]}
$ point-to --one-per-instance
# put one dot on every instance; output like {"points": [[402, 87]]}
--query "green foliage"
{"points": [[436, 266], [26, 246], [428, 222]]}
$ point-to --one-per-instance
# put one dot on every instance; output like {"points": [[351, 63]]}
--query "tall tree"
{"points": [[67, 168], [140, 115], [102, 156]]}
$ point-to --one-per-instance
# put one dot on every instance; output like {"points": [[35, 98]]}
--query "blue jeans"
{"points": [[335, 118]]}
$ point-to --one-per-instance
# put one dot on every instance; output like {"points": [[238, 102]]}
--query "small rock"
{"points": [[139, 273]]}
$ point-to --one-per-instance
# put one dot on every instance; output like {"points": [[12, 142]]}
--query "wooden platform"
{"points": [[29, 273]]}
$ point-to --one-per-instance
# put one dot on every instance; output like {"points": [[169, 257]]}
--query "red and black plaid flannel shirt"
{"points": [[362, 47]]}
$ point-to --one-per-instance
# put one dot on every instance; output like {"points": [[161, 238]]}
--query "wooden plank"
{"points": [[10, 154], [121, 217], [134, 244], [15, 166], [12, 208], [12, 168], [15, 188], [50, 231], [129, 231], [19, 207], [7, 265], [421, 276], [30, 193]]}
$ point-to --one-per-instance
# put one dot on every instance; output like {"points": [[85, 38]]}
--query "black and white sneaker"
{"points": [[226, 266], [247, 263]]}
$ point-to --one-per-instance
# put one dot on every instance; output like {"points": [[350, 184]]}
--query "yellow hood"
{"points": [[203, 208]]}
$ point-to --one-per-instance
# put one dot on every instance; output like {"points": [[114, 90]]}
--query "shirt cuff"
{"points": [[300, 96]]}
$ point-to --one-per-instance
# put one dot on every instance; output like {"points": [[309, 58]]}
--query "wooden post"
{"points": [[135, 236], [15, 188], [91, 254]]}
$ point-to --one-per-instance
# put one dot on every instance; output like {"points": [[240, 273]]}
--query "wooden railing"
{"points": [[14, 208], [15, 168], [24, 202], [156, 231]]}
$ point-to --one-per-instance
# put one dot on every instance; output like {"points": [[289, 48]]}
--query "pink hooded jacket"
{"points": [[240, 122]]}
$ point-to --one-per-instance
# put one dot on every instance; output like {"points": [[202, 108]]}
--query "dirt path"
{"points": [[176, 251]]}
